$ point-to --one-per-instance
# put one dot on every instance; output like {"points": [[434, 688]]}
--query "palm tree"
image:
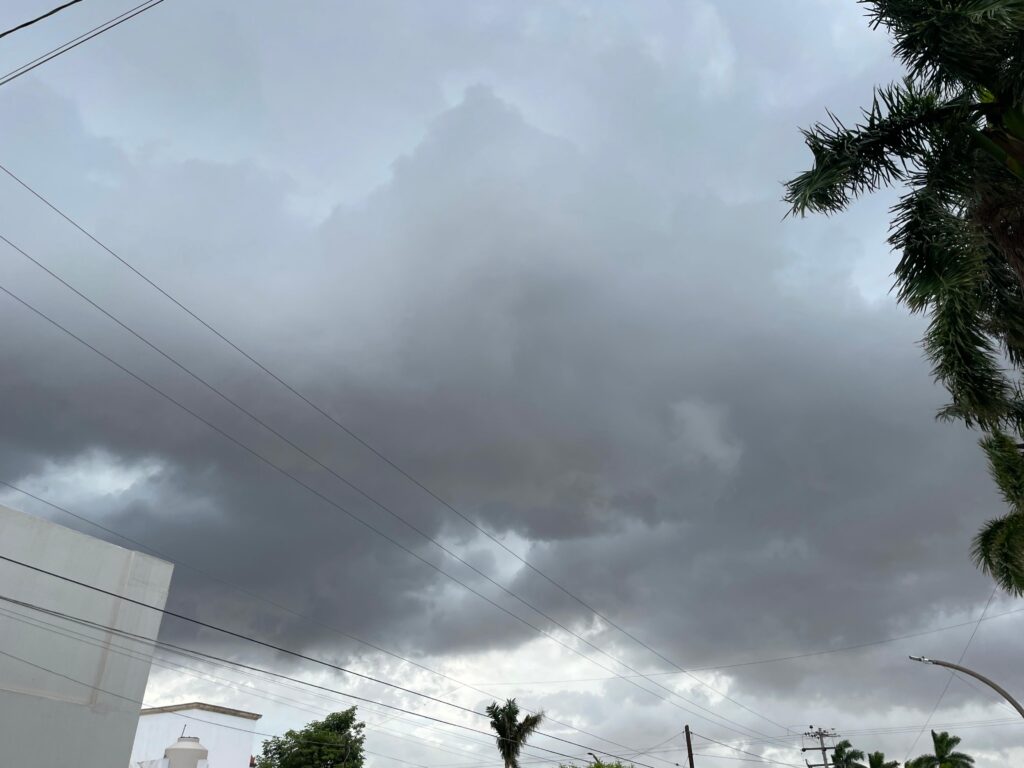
{"points": [[845, 756], [944, 756], [877, 760], [512, 732], [952, 133]]}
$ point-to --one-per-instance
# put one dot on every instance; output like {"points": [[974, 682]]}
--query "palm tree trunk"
{"points": [[1002, 220], [1000, 212]]}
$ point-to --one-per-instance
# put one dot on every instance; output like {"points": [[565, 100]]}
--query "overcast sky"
{"points": [[535, 254]]}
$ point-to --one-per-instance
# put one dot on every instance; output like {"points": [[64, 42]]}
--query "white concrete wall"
{"points": [[229, 748], [50, 720]]}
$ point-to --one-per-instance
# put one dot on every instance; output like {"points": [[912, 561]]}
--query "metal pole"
{"points": [[689, 746], [994, 686]]}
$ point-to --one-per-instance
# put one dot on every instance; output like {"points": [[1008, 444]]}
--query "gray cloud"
{"points": [[536, 256]]}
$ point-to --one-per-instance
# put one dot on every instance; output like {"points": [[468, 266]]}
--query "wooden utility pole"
{"points": [[689, 746], [820, 734]]}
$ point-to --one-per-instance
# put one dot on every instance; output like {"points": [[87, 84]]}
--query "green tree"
{"points": [[334, 742], [877, 760], [512, 732], [951, 133], [845, 756], [944, 756]]}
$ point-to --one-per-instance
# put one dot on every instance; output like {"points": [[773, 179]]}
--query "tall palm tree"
{"points": [[944, 756], [845, 756], [512, 732], [877, 760], [952, 134]]}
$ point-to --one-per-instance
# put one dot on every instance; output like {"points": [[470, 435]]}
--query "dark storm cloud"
{"points": [[585, 327]]}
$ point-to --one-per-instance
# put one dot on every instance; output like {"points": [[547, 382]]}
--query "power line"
{"points": [[773, 659], [877, 731], [179, 667], [218, 661], [204, 656], [232, 633], [661, 743], [896, 730], [963, 725], [317, 461], [989, 693], [353, 515], [288, 610], [745, 752], [681, 671], [140, 702], [14, 74], [379, 454], [729, 757], [283, 650], [206, 659], [649, 751], [883, 731], [37, 19], [949, 679], [157, 661]]}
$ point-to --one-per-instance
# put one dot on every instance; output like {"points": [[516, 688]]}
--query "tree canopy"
{"points": [[951, 135], [845, 756], [511, 732], [334, 742], [944, 754]]}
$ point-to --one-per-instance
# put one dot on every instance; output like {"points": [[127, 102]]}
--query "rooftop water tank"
{"points": [[186, 753]]}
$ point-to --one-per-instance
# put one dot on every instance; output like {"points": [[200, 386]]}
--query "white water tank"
{"points": [[186, 753]]}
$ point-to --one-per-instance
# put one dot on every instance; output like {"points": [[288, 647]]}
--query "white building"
{"points": [[227, 734], [68, 695]]}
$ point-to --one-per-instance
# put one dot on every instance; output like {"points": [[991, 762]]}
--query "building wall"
{"points": [[80, 703], [229, 748]]}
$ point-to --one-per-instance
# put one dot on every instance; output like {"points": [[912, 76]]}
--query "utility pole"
{"points": [[689, 746], [820, 734]]}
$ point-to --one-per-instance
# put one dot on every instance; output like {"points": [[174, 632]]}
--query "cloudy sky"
{"points": [[535, 254]]}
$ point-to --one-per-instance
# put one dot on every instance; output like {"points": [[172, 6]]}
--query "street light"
{"points": [[997, 688]]}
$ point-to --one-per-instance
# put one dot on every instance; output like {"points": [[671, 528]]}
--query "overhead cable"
{"points": [[323, 412], [14, 74], [37, 19], [348, 512], [288, 652]]}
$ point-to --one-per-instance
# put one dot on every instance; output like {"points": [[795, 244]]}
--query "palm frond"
{"points": [[998, 549], [950, 131], [870, 155], [946, 45], [511, 733], [1006, 465]]}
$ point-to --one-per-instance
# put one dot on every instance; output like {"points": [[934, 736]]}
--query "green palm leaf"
{"points": [[511, 732], [952, 133]]}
